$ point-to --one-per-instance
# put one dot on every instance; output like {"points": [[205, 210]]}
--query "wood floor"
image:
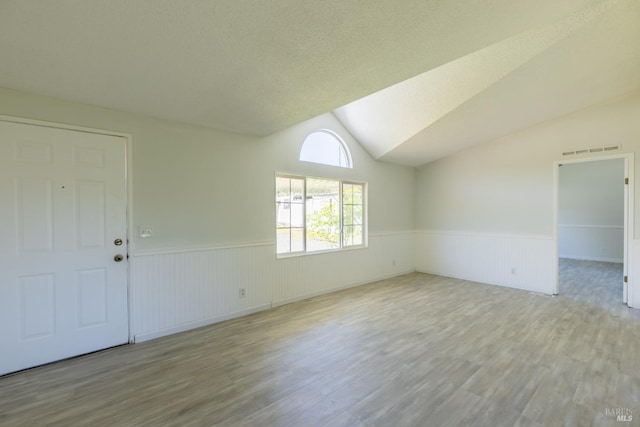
{"points": [[415, 350]]}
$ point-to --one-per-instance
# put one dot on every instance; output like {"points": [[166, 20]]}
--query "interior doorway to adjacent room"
{"points": [[592, 226]]}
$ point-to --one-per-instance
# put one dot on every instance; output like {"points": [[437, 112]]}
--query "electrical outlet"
{"points": [[242, 293], [393, 263], [514, 271]]}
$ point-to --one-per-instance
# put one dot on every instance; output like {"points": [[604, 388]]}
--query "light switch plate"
{"points": [[145, 231]]}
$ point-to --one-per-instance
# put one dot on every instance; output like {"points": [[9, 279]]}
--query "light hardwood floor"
{"points": [[414, 350]]}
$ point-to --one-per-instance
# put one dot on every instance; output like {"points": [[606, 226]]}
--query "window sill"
{"points": [[327, 251]]}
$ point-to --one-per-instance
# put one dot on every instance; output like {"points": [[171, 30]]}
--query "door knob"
{"points": [[117, 242], [118, 258]]}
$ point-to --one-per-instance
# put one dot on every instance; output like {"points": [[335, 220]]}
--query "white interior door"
{"points": [[62, 208]]}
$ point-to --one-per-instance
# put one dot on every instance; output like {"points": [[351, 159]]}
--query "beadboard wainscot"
{"points": [[179, 289], [521, 262]]}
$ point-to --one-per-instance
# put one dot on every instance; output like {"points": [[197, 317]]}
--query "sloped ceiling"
{"points": [[583, 58], [413, 80]]}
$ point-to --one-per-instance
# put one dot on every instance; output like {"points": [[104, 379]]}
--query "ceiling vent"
{"points": [[592, 150]]}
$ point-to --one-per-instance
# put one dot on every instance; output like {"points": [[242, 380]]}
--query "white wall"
{"points": [[484, 214], [591, 210], [503, 191], [209, 196]]}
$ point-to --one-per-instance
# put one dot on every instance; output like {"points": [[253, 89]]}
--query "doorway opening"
{"points": [[593, 230]]}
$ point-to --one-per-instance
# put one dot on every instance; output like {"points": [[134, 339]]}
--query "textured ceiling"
{"points": [[413, 80]]}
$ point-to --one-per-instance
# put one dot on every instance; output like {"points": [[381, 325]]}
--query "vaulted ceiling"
{"points": [[412, 80]]}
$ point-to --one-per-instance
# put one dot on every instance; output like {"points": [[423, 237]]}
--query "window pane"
{"points": [[283, 214], [289, 214], [323, 214], [326, 148], [357, 215], [357, 235], [353, 214], [352, 236], [297, 239], [297, 215], [283, 189], [347, 236], [357, 194], [283, 240], [347, 193], [347, 215], [297, 190]]}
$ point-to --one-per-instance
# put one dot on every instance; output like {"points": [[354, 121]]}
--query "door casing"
{"points": [[629, 209]]}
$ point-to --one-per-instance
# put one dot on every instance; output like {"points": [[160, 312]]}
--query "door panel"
{"points": [[63, 205], [92, 297], [90, 220], [37, 306], [35, 214]]}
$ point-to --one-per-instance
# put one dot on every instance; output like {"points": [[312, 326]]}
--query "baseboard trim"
{"points": [[197, 324], [614, 260], [336, 289], [470, 279]]}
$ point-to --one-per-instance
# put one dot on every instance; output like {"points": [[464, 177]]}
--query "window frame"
{"points": [[304, 211], [342, 246], [352, 204]]}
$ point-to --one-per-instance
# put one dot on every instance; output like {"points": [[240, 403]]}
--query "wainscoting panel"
{"points": [[523, 262], [591, 242], [177, 290], [300, 277], [174, 291]]}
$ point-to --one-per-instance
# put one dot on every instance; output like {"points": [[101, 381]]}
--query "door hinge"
{"points": [[626, 279], [626, 181]]}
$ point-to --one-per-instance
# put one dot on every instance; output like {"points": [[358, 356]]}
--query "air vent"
{"points": [[592, 150]]}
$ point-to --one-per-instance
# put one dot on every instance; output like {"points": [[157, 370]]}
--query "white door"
{"points": [[62, 209]]}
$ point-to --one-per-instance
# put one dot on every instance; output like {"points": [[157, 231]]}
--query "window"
{"points": [[325, 147], [316, 214], [290, 214], [352, 214]]}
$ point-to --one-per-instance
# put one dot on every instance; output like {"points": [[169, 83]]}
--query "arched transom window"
{"points": [[326, 147]]}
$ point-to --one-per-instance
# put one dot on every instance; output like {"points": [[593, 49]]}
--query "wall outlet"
{"points": [[514, 271], [393, 263], [242, 292]]}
